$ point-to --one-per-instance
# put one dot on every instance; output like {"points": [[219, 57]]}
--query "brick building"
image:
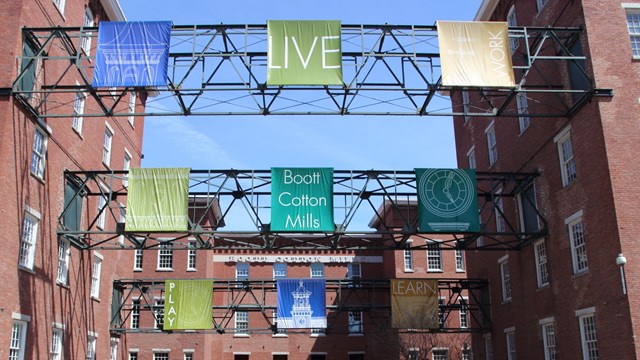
{"points": [[56, 299], [563, 296]]}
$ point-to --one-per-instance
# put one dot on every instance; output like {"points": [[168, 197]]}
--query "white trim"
{"points": [[280, 353], [562, 134], [20, 317], [630, 5], [510, 329], [160, 350], [586, 311], [503, 259], [491, 124], [98, 255], [547, 320], [241, 353], [106, 123], [92, 334], [473, 147], [57, 325], [573, 218], [33, 212]]}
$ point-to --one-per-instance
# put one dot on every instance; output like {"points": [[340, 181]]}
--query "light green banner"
{"points": [[302, 199], [307, 52], [447, 200], [187, 305], [157, 199]]}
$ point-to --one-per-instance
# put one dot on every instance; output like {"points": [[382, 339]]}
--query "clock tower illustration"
{"points": [[301, 310]]}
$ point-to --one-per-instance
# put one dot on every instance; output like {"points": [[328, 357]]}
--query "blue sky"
{"points": [[350, 142]]}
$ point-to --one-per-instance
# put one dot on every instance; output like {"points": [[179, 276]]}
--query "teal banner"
{"points": [[307, 52], [302, 199], [447, 200]]}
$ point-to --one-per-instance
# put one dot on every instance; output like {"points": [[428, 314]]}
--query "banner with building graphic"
{"points": [[301, 304], [157, 199], [134, 53], [475, 54], [305, 52], [447, 200], [187, 305], [414, 304], [302, 199]]}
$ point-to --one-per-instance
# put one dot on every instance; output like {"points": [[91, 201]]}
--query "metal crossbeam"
{"points": [[371, 296], [231, 209], [220, 70]]}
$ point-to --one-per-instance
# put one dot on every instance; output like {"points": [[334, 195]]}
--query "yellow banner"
{"points": [[475, 54], [414, 304]]}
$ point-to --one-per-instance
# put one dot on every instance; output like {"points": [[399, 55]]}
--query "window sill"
{"points": [[543, 287], [137, 270], [318, 335], [30, 271], [508, 301], [60, 12], [37, 177], [97, 299], [435, 271], [192, 270], [358, 334], [408, 270], [580, 274], [279, 336], [164, 270], [79, 133], [62, 285], [241, 335], [460, 271]]}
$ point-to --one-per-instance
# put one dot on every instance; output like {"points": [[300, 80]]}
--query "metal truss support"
{"points": [[374, 210], [220, 70], [372, 297]]}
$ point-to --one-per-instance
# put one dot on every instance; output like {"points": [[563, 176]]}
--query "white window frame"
{"points": [[442, 352], [434, 256], [133, 354], [588, 338], [441, 312], [464, 312], [548, 338], [242, 271], [633, 27], [29, 239], [192, 256], [107, 145], [524, 120], [78, 110], [521, 207], [64, 255], [85, 39], [278, 332], [355, 323], [407, 257], [578, 246], [18, 336], [460, 265], [567, 162], [56, 351], [126, 166], [135, 313], [466, 105], [122, 218], [133, 96], [488, 347], [492, 143], [542, 270], [158, 311], [471, 158], [59, 4], [354, 271], [279, 270], [165, 257], [505, 277], [510, 337], [92, 339], [161, 354], [512, 21], [241, 324], [39, 153], [500, 220], [138, 255], [96, 273], [188, 354], [316, 270], [113, 349]]}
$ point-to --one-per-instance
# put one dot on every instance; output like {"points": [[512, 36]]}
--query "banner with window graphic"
{"points": [[134, 53], [305, 52], [475, 54], [187, 305], [157, 199], [301, 304], [414, 304]]}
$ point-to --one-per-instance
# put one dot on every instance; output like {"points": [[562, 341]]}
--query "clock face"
{"points": [[302, 321], [446, 192]]}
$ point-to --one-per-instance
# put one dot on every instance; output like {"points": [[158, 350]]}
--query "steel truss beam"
{"points": [[366, 295], [388, 70], [383, 199]]}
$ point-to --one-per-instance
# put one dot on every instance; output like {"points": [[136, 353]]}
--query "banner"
{"points": [[132, 53], [475, 54], [301, 304], [157, 199], [447, 200], [304, 52], [414, 304], [187, 305], [302, 199]]}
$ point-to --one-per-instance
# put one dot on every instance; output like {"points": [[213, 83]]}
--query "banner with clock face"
{"points": [[447, 200], [301, 304]]}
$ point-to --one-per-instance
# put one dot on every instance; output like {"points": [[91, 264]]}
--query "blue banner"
{"points": [[132, 53], [301, 304]]}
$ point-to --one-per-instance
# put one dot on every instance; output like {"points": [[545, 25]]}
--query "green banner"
{"points": [[307, 52], [187, 305], [157, 199], [302, 199], [447, 200]]}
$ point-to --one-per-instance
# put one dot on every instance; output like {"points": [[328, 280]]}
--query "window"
{"points": [[18, 339], [577, 75], [59, 5], [565, 153], [188, 355], [240, 356], [280, 356], [356, 356], [318, 357], [95, 275], [315, 332], [158, 312], [102, 211], [511, 343], [242, 271], [355, 322], [64, 250], [191, 256], [540, 251], [113, 349], [165, 256], [85, 40], [524, 119], [133, 355], [488, 347], [30, 67], [121, 220], [354, 273], [126, 166], [56, 344], [633, 24], [39, 153], [78, 111], [242, 322], [459, 261], [464, 313], [278, 332], [434, 257], [137, 260], [440, 354], [466, 354], [160, 356], [279, 271], [413, 353], [491, 143], [106, 147], [549, 339], [506, 278], [441, 312], [500, 223], [91, 346], [514, 43], [135, 313], [317, 270], [471, 158], [577, 242], [528, 210], [466, 105], [540, 4], [408, 257], [72, 217], [28, 243], [132, 107], [588, 336]]}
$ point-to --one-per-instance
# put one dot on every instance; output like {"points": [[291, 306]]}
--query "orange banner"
{"points": [[414, 304]]}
